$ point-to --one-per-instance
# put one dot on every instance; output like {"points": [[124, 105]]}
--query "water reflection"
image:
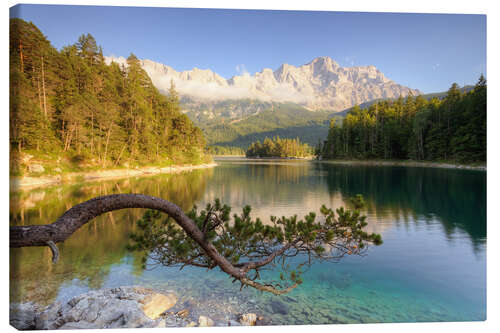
{"points": [[457, 198], [394, 195], [89, 253], [431, 221]]}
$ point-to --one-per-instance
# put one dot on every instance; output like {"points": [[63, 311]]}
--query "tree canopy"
{"points": [[278, 147], [251, 246], [72, 103], [448, 129]]}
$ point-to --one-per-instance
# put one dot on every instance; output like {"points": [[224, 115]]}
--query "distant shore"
{"points": [[279, 158], [219, 156], [442, 165], [31, 182]]}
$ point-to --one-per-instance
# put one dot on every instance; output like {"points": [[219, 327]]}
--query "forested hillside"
{"points": [[70, 106], [438, 95], [286, 120], [448, 129]]}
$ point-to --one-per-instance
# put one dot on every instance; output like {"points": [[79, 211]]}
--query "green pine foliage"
{"points": [[244, 241], [71, 103], [449, 129], [277, 147], [224, 150]]}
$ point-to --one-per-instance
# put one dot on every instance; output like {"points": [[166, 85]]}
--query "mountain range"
{"points": [[318, 85], [289, 101]]}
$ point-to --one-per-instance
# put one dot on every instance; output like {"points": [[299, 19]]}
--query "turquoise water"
{"points": [[431, 267]]}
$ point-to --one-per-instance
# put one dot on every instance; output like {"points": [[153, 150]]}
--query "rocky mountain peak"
{"points": [[320, 84], [324, 63]]}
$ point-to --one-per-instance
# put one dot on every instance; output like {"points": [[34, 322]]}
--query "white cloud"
{"points": [[241, 69], [210, 88]]}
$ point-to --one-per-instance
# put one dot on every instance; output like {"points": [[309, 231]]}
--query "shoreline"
{"points": [[75, 177], [442, 165], [309, 158], [129, 306]]}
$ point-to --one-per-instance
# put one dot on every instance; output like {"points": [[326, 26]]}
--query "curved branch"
{"points": [[77, 216], [268, 288]]}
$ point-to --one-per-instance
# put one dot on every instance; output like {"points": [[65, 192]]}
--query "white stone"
{"points": [[204, 321], [156, 304]]}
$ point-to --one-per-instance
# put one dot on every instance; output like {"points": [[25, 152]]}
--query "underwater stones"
{"points": [[204, 321], [233, 323], [340, 280], [248, 319], [263, 321], [342, 283], [279, 307], [183, 313], [172, 320]]}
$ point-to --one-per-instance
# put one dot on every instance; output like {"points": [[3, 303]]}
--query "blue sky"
{"points": [[422, 51]]}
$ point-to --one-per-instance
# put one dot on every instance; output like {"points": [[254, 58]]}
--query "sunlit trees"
{"points": [[278, 147], [70, 102], [450, 129]]}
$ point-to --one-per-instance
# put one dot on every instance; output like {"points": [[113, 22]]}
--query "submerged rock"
{"points": [[233, 323], [279, 307], [263, 321], [183, 313], [124, 307]]}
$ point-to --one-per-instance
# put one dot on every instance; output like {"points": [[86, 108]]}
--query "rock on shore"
{"points": [[124, 307]]}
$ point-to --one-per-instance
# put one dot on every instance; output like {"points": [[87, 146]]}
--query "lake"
{"points": [[431, 266]]}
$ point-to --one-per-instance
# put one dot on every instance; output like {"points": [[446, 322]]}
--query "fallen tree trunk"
{"points": [[77, 216]]}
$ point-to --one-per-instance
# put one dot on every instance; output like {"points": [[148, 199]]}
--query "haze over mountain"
{"points": [[318, 85]]}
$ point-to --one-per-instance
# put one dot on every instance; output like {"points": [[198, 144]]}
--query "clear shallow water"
{"points": [[431, 267]]}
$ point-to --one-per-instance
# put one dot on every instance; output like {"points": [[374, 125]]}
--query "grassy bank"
{"points": [[32, 169]]}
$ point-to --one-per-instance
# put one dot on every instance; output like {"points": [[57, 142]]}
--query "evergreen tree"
{"points": [[452, 129], [71, 103]]}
